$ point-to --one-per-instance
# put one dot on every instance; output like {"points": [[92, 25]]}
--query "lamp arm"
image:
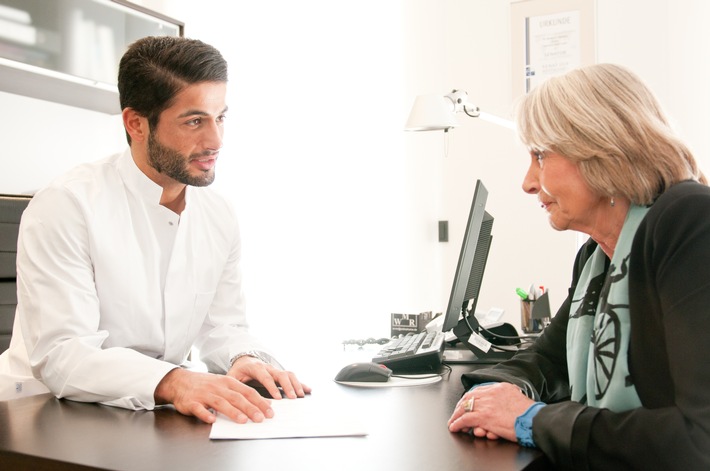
{"points": [[460, 100], [473, 112], [437, 112]]}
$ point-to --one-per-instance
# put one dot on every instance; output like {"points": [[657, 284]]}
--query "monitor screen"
{"points": [[472, 261]]}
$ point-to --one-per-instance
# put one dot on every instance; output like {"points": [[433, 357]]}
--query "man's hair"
{"points": [[607, 121], [156, 68]]}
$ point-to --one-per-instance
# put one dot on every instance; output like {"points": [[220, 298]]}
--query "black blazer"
{"points": [[669, 354]]}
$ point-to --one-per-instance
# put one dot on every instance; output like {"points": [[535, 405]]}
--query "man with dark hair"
{"points": [[127, 263]]}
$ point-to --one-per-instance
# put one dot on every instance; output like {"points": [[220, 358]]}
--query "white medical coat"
{"points": [[93, 321]]}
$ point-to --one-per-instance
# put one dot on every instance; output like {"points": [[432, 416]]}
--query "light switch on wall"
{"points": [[443, 231]]}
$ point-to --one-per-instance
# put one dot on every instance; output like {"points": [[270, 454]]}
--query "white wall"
{"points": [[370, 194], [313, 160], [42, 140], [666, 43], [474, 47], [339, 206]]}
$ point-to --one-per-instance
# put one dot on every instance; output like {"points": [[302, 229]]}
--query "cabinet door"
{"points": [[67, 51]]}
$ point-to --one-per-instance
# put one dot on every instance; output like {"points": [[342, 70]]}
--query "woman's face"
{"points": [[563, 193]]}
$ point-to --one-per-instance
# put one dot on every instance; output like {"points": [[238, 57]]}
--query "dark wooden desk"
{"points": [[407, 428]]}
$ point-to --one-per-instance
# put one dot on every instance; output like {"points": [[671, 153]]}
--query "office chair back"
{"points": [[11, 208]]}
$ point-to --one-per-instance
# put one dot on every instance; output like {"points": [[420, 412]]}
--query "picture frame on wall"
{"points": [[548, 38]]}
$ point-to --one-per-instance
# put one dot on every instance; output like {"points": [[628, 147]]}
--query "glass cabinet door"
{"points": [[79, 42]]}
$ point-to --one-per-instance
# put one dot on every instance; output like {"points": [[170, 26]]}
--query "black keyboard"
{"points": [[413, 353]]}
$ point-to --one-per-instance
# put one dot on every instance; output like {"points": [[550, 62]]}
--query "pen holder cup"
{"points": [[534, 314]]}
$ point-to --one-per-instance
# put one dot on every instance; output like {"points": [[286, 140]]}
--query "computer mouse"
{"points": [[366, 372], [262, 390]]}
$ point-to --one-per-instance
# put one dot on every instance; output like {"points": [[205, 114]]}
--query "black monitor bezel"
{"points": [[467, 259]]}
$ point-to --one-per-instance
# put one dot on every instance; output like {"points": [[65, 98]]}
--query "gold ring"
{"points": [[468, 405]]}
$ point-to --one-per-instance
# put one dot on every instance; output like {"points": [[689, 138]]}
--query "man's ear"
{"points": [[136, 125]]}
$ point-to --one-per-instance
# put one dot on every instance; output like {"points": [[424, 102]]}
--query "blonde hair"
{"points": [[605, 119]]}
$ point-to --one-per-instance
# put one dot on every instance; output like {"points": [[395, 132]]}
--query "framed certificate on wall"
{"points": [[548, 38]]}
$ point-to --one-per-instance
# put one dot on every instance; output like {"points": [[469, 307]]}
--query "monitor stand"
{"points": [[471, 354], [464, 356]]}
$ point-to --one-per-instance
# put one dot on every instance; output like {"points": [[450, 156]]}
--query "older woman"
{"points": [[620, 379]]}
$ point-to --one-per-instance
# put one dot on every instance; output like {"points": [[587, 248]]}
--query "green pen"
{"points": [[522, 293]]}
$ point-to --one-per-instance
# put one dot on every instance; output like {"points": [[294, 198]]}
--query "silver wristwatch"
{"points": [[249, 353]]}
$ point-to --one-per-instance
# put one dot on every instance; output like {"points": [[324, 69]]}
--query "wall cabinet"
{"points": [[67, 51]]}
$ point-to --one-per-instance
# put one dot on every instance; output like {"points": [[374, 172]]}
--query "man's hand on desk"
{"points": [[205, 394], [248, 368], [198, 394]]}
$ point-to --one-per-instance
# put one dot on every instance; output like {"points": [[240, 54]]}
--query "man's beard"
{"points": [[173, 164]]}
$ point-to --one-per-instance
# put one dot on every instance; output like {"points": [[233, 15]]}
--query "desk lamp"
{"points": [[438, 112]]}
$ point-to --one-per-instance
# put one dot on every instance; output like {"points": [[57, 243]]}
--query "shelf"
{"points": [[57, 87]]}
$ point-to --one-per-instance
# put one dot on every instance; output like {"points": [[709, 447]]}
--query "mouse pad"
{"points": [[394, 382]]}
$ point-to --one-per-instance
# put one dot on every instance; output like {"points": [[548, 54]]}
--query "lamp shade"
{"points": [[431, 113]]}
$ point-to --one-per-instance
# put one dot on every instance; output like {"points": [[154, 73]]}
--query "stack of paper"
{"points": [[294, 418]]}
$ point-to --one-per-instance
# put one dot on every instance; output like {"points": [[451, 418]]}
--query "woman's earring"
{"points": [[613, 203]]}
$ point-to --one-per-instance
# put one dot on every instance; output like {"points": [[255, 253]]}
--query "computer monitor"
{"points": [[466, 287], [472, 260]]}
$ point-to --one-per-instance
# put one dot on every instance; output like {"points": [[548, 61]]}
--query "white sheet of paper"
{"points": [[294, 418]]}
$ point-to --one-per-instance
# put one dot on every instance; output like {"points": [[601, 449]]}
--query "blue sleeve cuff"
{"points": [[523, 425]]}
